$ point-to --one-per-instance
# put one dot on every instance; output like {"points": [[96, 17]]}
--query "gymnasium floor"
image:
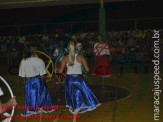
{"points": [[137, 106]]}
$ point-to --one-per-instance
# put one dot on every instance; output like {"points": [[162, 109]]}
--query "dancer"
{"points": [[101, 65], [58, 51], [37, 96], [11, 102], [79, 98]]}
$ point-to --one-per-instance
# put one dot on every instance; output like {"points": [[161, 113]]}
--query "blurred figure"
{"points": [[59, 51], [101, 65], [11, 102]]}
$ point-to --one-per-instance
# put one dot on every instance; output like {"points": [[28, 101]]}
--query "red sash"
{"points": [[102, 48]]}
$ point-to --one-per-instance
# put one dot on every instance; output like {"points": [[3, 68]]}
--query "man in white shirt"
{"points": [[11, 102]]}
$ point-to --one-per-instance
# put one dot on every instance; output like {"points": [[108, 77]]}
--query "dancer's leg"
{"points": [[74, 117], [26, 120], [40, 114]]}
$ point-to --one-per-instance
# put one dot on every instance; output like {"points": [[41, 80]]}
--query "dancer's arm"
{"points": [[63, 63], [45, 77], [43, 74], [84, 63], [108, 53], [11, 102]]}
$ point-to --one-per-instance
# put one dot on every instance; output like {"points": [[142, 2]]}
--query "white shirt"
{"points": [[32, 67], [1, 92], [56, 53], [75, 69], [101, 49], [79, 46]]}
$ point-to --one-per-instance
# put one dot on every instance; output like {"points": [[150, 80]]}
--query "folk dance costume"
{"points": [[101, 65], [37, 96], [79, 97], [58, 52]]}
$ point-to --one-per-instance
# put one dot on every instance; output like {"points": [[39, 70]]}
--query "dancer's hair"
{"points": [[71, 53], [99, 35], [27, 52]]}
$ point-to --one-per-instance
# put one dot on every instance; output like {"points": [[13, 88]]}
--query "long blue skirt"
{"points": [[79, 97], [37, 97]]}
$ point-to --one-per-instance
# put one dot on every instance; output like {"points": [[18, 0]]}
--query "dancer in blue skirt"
{"points": [[37, 96], [79, 98]]}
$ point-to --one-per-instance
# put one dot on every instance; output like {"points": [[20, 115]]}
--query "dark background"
{"points": [[119, 16]]}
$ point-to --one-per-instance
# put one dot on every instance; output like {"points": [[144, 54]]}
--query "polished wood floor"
{"points": [[136, 107]]}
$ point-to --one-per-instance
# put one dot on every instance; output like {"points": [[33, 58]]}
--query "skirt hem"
{"points": [[39, 111], [89, 108]]}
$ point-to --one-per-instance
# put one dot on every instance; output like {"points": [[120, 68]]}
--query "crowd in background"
{"points": [[125, 46]]}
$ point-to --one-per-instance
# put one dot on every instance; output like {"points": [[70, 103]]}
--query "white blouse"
{"points": [[75, 69], [32, 67], [101, 49]]}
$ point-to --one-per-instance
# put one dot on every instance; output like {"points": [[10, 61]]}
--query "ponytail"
{"points": [[71, 53]]}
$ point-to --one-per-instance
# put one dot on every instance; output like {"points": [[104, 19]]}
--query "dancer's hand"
{"points": [[12, 101], [55, 70], [49, 79]]}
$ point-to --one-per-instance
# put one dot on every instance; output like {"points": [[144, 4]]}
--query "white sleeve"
{"points": [[1, 92], [21, 69], [42, 67], [95, 50], [79, 46], [107, 52]]}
